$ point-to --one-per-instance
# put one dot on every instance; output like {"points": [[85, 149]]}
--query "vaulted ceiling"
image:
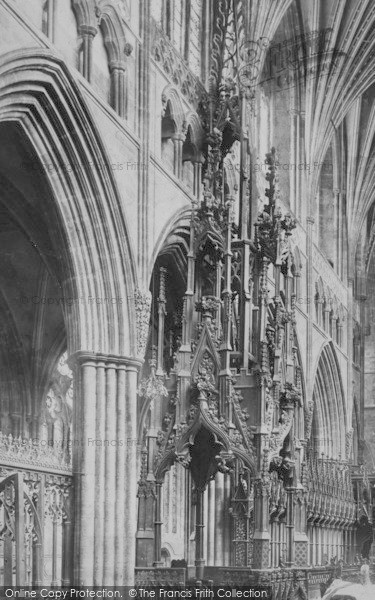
{"points": [[339, 104]]}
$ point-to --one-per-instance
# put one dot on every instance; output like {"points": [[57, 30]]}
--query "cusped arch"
{"points": [[48, 105], [180, 453]]}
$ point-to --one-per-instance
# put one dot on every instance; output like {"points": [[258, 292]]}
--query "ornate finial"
{"points": [[163, 274], [273, 229]]}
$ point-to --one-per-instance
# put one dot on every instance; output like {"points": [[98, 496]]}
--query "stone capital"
{"points": [[95, 359], [117, 65], [89, 30]]}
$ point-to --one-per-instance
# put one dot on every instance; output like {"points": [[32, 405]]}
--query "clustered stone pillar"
{"points": [[104, 466], [118, 95], [118, 83]]}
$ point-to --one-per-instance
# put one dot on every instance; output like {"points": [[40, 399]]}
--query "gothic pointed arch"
{"points": [[113, 30], [79, 179], [171, 96], [329, 418]]}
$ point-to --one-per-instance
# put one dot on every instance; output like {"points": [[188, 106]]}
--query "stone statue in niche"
{"points": [[59, 406]]}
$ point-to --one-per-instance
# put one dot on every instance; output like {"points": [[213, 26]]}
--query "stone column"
{"points": [[38, 556], [178, 140], [301, 177], [362, 317], [326, 318], [197, 164], [220, 519], [338, 229], [118, 83], [67, 543], [294, 160], [158, 524], [227, 520], [199, 527], [290, 526], [104, 466], [88, 33], [261, 540], [310, 306], [117, 70], [187, 521]]}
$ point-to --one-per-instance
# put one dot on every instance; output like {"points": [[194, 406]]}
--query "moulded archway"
{"points": [[87, 254], [47, 105]]}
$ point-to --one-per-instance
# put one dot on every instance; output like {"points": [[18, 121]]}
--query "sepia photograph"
{"points": [[187, 299]]}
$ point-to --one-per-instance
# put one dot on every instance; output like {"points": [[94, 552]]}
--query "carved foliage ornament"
{"points": [[274, 228], [142, 313], [152, 388]]}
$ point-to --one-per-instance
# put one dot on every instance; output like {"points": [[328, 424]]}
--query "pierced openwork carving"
{"points": [[175, 68]]}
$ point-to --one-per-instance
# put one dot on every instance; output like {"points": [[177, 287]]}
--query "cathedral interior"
{"points": [[187, 367]]}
